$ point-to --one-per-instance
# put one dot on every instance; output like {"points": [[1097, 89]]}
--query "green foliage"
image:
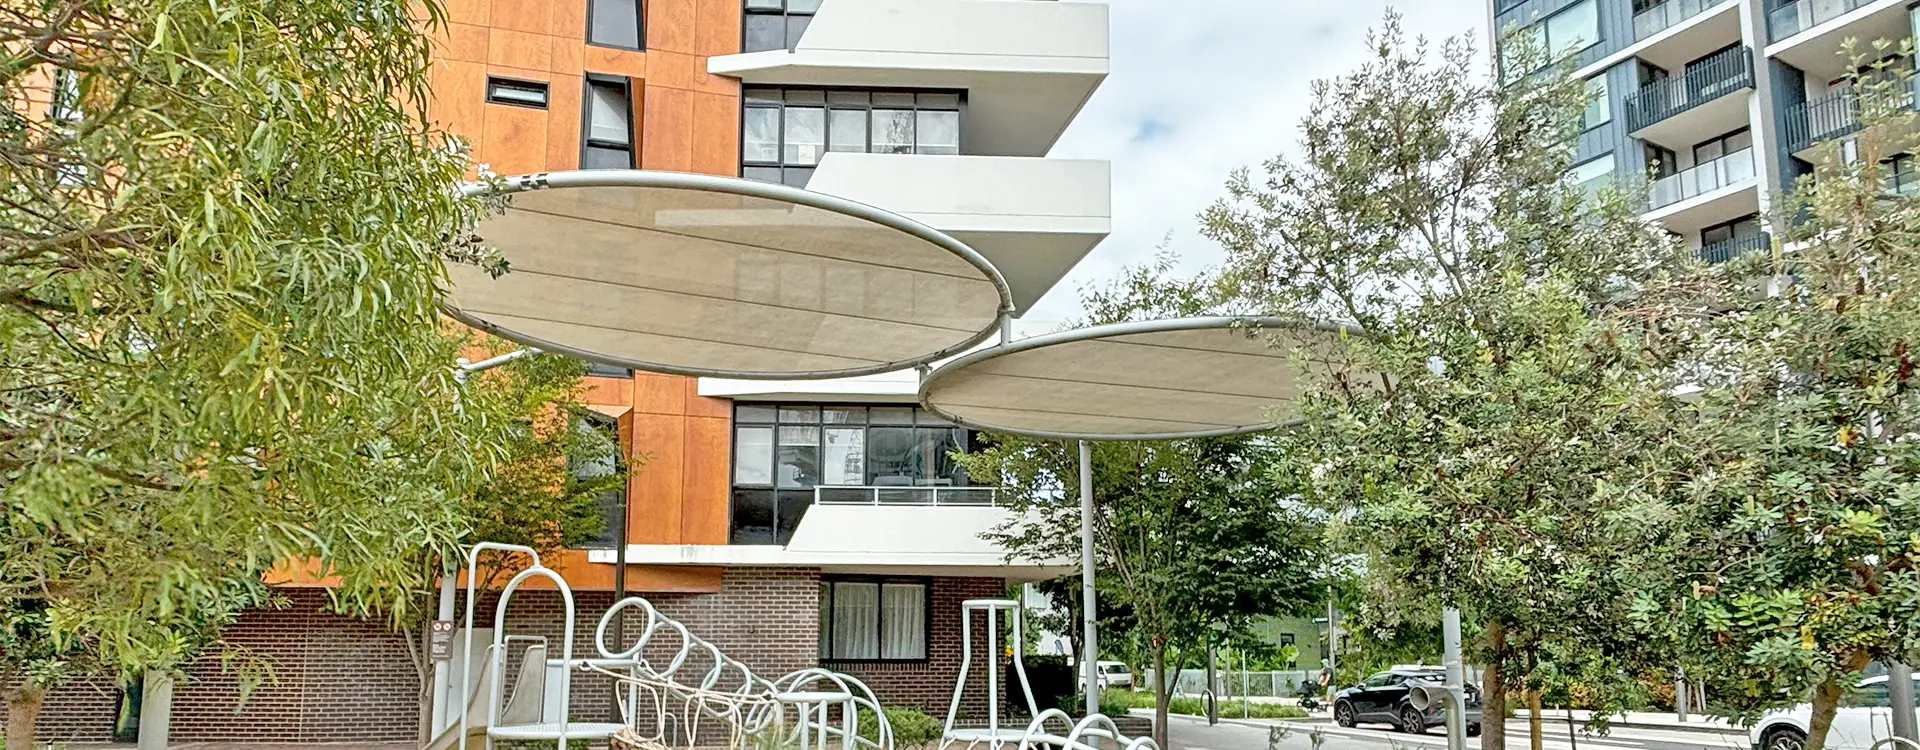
{"points": [[911, 727], [222, 250], [1793, 557], [1113, 702], [1465, 444]]}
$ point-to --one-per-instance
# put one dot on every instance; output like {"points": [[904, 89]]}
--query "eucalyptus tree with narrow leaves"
{"points": [[1795, 556], [1470, 446], [222, 238]]}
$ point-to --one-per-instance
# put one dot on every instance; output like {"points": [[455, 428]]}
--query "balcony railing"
{"points": [[1726, 250], [1839, 114], [1706, 80], [1704, 178], [976, 497], [1666, 15], [1795, 17]]}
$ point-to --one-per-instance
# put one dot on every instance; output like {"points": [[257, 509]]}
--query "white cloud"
{"points": [[1200, 87]]}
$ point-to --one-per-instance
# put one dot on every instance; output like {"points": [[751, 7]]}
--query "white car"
{"points": [[1863, 718], [1116, 674]]}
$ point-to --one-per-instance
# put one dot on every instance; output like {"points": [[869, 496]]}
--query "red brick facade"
{"points": [[336, 678]]}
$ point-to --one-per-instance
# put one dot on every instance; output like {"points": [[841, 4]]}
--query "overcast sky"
{"points": [[1200, 87]]}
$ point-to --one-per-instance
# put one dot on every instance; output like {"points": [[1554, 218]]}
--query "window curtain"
{"points": [[905, 621], [856, 621]]}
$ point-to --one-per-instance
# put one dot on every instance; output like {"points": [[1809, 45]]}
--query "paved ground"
{"points": [[1194, 734]]}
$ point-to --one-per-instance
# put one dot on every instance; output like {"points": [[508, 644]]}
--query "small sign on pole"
{"points": [[440, 640]]}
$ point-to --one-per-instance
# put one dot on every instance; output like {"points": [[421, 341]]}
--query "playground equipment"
{"points": [[675, 690]]}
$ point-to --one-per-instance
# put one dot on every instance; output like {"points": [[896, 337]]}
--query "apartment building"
{"points": [[791, 523], [1724, 102]]}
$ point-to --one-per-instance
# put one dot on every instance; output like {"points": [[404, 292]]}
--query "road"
{"points": [[1194, 734]]}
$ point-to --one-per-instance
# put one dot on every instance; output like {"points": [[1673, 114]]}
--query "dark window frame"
{"points": [[880, 616], [495, 82], [780, 120], [1721, 139], [587, 82], [639, 19], [1729, 226]]}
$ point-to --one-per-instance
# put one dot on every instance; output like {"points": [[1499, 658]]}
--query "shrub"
{"points": [[911, 726], [1112, 702]]}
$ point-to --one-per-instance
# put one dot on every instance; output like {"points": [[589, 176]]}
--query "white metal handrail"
{"points": [[907, 495]]}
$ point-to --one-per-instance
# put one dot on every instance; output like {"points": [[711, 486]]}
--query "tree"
{"points": [[1468, 446], [1192, 539], [560, 465], [1795, 554], [223, 233]]}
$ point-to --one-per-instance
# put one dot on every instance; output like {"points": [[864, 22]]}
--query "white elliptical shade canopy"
{"points": [[723, 277], [1156, 380]]}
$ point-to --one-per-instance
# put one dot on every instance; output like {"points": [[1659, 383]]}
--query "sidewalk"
{"points": [[1648, 719]]}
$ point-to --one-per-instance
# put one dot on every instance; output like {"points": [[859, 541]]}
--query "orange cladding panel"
{"points": [[704, 520], [656, 495]]}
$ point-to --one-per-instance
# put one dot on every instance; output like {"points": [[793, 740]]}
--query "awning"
{"points": [[723, 277]]}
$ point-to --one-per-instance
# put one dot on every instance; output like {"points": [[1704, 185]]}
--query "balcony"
{"points": [[1679, 112], [1027, 67], [1810, 34], [950, 497], [1669, 14], [1033, 218], [1841, 113], [1721, 252], [1726, 171]]}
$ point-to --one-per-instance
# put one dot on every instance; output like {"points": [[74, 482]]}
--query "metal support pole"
{"points": [[1090, 652], [1333, 646], [443, 670], [1456, 679], [1212, 694], [1680, 691], [156, 710], [1900, 696]]}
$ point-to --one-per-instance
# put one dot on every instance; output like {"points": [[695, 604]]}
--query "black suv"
{"points": [[1383, 699]]}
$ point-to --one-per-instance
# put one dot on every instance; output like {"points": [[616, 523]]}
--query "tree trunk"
{"points": [[1826, 698], [1535, 731], [1164, 696], [23, 713], [1493, 691]]}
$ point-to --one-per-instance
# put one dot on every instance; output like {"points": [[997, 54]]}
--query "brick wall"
{"points": [[336, 678]]}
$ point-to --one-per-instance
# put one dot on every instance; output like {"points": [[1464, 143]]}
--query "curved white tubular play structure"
{"points": [[674, 689]]}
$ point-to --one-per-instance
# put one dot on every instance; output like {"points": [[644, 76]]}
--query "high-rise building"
{"points": [[792, 523], [1725, 103]]}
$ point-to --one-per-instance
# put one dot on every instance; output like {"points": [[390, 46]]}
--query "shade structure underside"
{"points": [[1176, 378], [718, 276]]}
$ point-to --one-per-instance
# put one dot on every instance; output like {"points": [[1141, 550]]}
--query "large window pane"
{"points": [[845, 462], [905, 621], [856, 620], [792, 508], [602, 157], [848, 129], [763, 135], [754, 413], [753, 456], [800, 415], [796, 28], [935, 456], [799, 457], [892, 415], [806, 135], [752, 517], [1592, 174], [1573, 29], [938, 132], [892, 456], [614, 22], [765, 32], [1599, 109], [892, 131]]}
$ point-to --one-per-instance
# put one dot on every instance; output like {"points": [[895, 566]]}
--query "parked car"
{"points": [[1384, 699], [1116, 674], [1865, 716]]}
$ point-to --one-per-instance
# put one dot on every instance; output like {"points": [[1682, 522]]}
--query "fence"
{"points": [[1235, 684]]}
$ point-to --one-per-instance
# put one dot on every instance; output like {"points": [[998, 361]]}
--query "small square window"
{"points": [[614, 23], [517, 93]]}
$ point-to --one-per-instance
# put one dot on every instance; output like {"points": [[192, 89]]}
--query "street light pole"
{"points": [[1090, 653], [1900, 696], [1456, 679]]}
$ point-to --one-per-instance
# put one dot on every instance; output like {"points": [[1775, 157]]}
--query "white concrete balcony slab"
{"points": [[873, 539], [1033, 218], [1811, 34], [1027, 65]]}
